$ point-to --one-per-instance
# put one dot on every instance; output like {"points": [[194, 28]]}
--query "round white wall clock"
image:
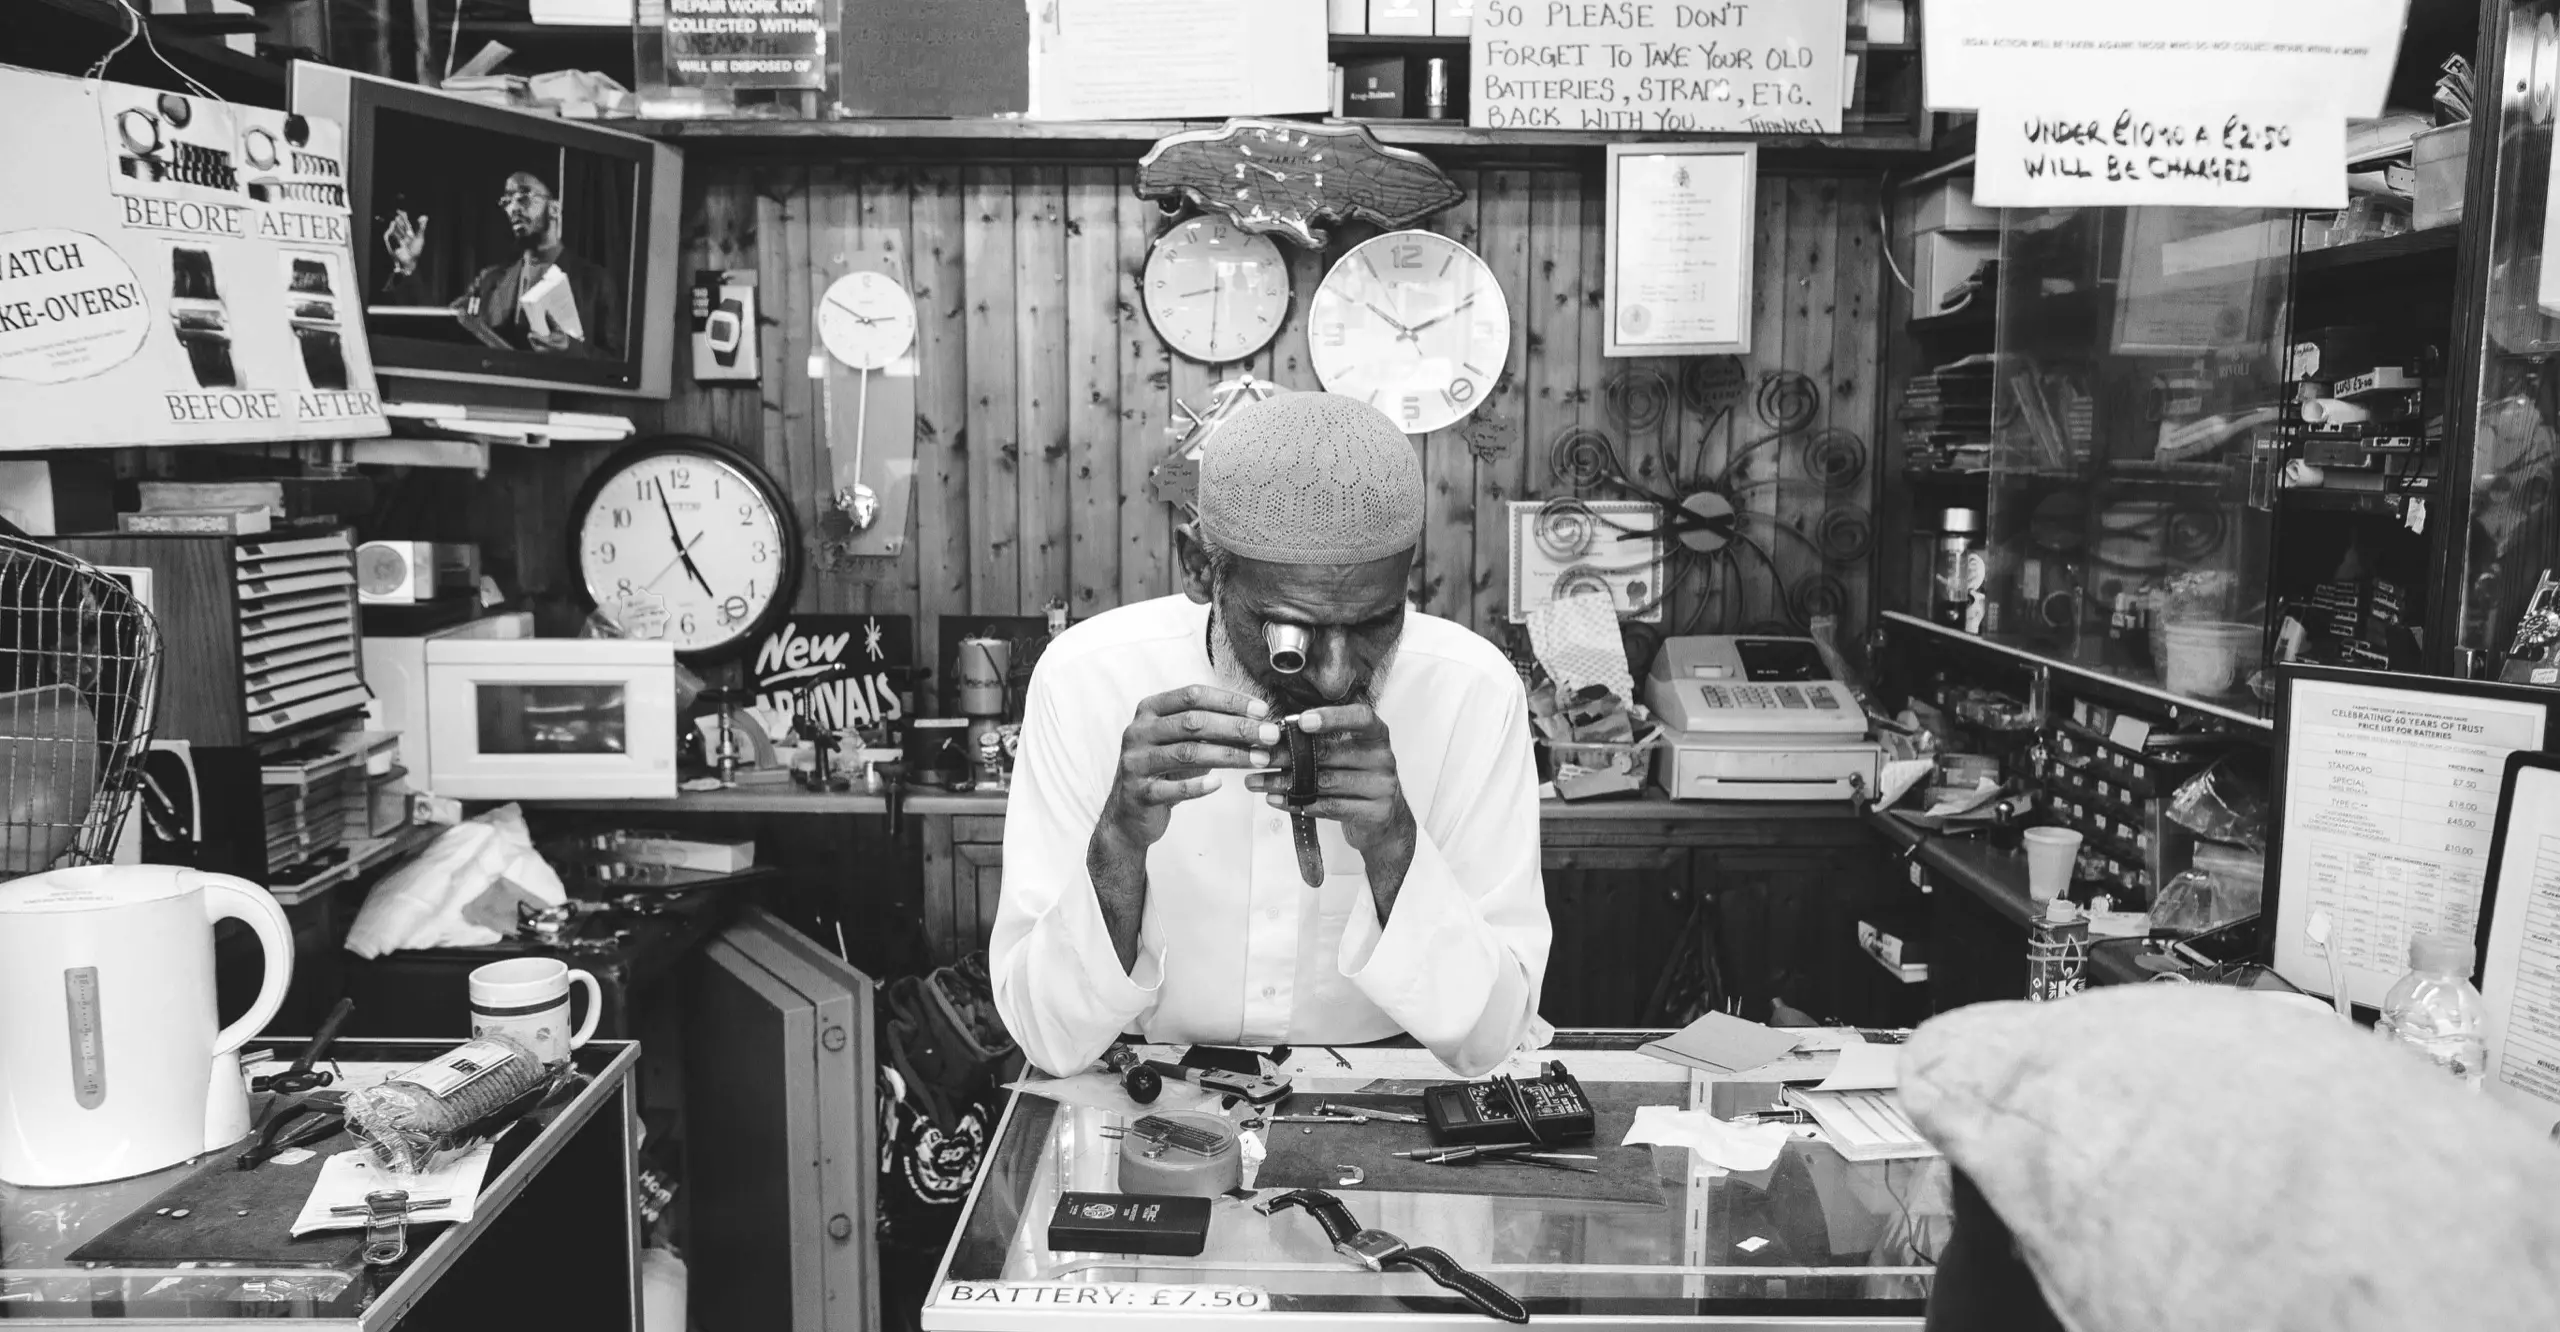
{"points": [[1216, 292], [867, 320], [688, 542], [1412, 323]]}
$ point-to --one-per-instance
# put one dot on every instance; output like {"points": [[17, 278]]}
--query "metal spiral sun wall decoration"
{"points": [[1734, 567]]}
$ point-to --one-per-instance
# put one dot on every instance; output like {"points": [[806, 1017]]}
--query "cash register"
{"points": [[1756, 718]]}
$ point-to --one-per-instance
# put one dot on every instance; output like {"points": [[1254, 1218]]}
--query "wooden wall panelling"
{"points": [[790, 437], [1146, 386], [938, 269], [1856, 404], [833, 206], [1041, 323], [1502, 229], [1447, 559], [1552, 336], [887, 585], [995, 518], [1806, 351], [1094, 319]]}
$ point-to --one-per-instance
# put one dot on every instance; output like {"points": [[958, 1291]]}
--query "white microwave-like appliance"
{"points": [[486, 711]]}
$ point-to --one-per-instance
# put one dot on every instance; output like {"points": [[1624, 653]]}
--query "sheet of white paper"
{"points": [[1737, 1147], [2390, 807], [2520, 968], [2090, 149], [1865, 1067], [1700, 68], [1900, 775], [2334, 53], [348, 1176], [1177, 59], [549, 307]]}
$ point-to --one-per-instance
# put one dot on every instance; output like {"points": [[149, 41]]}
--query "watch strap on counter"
{"points": [[1340, 1227], [1487, 1298]]}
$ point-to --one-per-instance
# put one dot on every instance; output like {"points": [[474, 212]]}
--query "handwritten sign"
{"points": [[1731, 66], [1097, 1297], [838, 671], [2094, 151], [2332, 53], [748, 43]]}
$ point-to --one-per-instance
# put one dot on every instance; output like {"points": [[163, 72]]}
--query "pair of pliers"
{"points": [[294, 1122], [302, 1077]]}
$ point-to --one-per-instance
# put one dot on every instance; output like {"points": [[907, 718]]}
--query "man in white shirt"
{"points": [[1153, 881]]}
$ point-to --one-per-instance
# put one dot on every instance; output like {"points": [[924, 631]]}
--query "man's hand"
{"points": [[1356, 786], [407, 240], [1171, 751]]}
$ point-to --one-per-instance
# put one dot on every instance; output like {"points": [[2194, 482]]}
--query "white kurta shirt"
{"points": [[1233, 947]]}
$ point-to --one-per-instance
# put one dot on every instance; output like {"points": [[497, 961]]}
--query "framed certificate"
{"points": [[1679, 248]]}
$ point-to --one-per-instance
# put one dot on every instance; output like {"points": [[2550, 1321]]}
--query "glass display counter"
{"points": [[1814, 1239], [2135, 436]]}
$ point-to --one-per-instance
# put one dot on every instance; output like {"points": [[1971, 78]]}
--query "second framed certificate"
{"points": [[1679, 251]]}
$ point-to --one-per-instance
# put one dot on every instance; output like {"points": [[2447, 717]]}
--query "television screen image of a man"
{"points": [[544, 297]]}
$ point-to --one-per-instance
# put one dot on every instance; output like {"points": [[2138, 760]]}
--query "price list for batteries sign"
{"points": [[1717, 66], [2389, 811]]}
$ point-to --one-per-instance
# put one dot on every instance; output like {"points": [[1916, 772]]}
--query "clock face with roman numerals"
{"points": [[686, 542], [1413, 324]]}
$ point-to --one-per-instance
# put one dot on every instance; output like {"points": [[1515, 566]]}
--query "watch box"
{"points": [[1373, 87], [1130, 1223]]}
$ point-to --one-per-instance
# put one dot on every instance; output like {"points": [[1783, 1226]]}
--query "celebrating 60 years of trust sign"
{"points": [[174, 270]]}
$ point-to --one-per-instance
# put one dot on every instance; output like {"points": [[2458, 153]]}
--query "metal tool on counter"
{"points": [[1252, 1088], [294, 1122], [301, 1077], [416, 1205], [1514, 1155], [1326, 1112]]}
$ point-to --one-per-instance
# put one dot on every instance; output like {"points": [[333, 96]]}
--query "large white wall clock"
{"points": [[1412, 323]]}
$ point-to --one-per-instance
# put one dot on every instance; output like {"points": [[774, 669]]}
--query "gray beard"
{"points": [[1231, 675]]}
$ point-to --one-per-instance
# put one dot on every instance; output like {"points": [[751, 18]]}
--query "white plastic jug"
{"points": [[109, 1062]]}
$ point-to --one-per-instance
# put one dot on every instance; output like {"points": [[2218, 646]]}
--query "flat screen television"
{"points": [[501, 247]]}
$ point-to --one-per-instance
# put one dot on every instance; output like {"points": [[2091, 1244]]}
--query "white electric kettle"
{"points": [[109, 1062]]}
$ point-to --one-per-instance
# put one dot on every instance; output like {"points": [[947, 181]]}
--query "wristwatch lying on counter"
{"points": [[1377, 1250]]}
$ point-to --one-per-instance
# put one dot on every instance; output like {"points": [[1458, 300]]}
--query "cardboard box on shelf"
{"points": [[1400, 18], [1453, 18], [1949, 206], [1347, 17], [1373, 88]]}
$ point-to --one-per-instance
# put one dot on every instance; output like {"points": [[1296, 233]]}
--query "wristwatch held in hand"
{"points": [[1377, 1250]]}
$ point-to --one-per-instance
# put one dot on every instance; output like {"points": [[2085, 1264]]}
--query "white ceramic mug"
{"points": [[527, 999]]}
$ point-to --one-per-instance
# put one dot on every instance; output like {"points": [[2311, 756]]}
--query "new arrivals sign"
{"points": [[174, 270], [836, 670]]}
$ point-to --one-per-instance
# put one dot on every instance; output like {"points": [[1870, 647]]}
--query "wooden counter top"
{"points": [[1999, 878]]}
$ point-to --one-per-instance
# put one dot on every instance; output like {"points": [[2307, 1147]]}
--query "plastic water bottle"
{"points": [[2435, 1011]]}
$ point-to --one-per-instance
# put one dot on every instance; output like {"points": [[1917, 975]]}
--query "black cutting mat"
{"points": [[1302, 1160], [213, 1230]]}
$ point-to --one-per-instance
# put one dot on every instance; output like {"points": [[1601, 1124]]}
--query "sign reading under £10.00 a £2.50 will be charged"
{"points": [[2100, 151], [1104, 1297]]}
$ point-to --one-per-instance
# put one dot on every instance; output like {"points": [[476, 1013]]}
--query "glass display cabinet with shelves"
{"points": [[2135, 434]]}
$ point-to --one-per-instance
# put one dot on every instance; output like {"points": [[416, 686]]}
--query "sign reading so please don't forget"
{"points": [[174, 270]]}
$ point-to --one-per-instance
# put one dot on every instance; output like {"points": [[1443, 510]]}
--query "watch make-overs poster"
{"points": [[174, 269]]}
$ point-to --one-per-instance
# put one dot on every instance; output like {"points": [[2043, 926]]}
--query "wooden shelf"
{"points": [[1370, 41], [1980, 316], [1129, 138], [1653, 806], [2436, 242]]}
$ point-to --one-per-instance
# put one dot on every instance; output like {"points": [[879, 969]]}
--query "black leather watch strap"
{"points": [[1489, 1299], [1324, 1207], [1302, 792], [1343, 1230]]}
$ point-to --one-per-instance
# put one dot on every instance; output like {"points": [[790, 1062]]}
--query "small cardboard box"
{"points": [[1373, 87], [1400, 18], [1941, 261], [1453, 18], [1347, 17]]}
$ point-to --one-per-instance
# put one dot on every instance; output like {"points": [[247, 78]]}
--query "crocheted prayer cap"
{"points": [[1310, 478]]}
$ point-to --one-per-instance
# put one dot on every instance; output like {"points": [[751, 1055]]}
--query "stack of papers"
{"points": [[1863, 1125]]}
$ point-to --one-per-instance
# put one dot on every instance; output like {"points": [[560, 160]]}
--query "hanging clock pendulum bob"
{"points": [[867, 321]]}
